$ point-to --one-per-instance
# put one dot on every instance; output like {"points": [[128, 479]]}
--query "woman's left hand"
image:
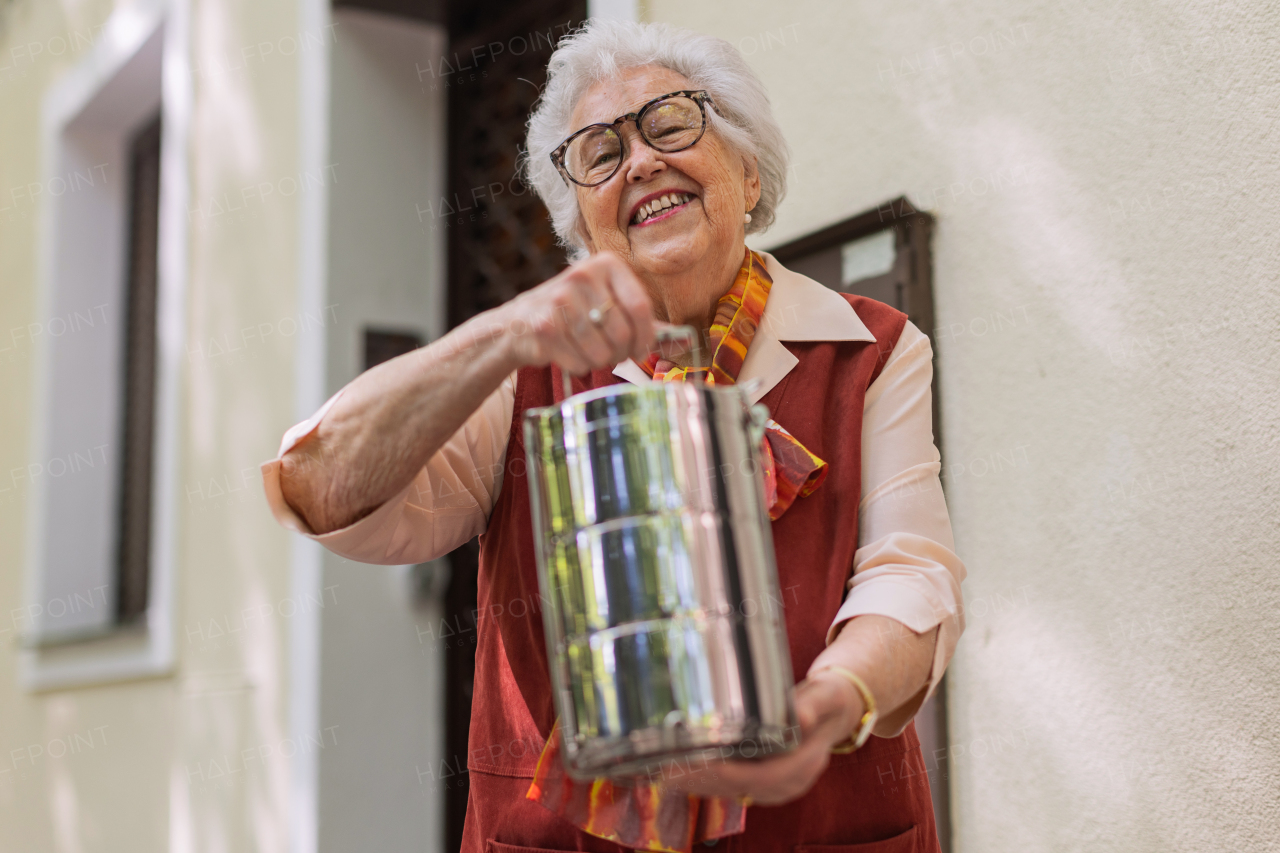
{"points": [[893, 661], [828, 709]]}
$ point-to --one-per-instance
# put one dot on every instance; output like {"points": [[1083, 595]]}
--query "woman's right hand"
{"points": [[552, 322], [391, 419]]}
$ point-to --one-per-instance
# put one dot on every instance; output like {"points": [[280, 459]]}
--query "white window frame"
{"points": [[141, 62]]}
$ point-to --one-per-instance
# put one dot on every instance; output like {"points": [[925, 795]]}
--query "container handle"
{"points": [[688, 333], [666, 333]]}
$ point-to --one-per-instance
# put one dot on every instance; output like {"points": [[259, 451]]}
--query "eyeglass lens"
{"points": [[670, 125]]}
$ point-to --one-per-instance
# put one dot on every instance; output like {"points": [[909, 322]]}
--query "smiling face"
{"points": [[666, 215]]}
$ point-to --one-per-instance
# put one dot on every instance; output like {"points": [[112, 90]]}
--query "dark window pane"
{"points": [[383, 345], [134, 532]]}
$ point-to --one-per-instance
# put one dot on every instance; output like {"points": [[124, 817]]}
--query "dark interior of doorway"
{"points": [[500, 240], [502, 246]]}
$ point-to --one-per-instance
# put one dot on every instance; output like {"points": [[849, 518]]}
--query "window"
{"points": [[102, 479], [884, 254]]}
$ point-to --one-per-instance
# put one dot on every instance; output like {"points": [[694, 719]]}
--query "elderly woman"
{"points": [[656, 152]]}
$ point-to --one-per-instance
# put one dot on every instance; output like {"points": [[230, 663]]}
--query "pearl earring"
{"points": [[746, 218]]}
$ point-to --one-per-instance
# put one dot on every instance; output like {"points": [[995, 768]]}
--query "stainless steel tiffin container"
{"points": [[663, 617]]}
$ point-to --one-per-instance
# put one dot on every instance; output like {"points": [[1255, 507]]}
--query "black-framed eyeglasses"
{"points": [[668, 123]]}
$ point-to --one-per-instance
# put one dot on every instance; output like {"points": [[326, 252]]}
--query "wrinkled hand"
{"points": [[828, 709], [552, 322]]}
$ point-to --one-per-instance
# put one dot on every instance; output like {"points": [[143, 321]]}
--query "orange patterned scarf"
{"points": [[643, 816], [646, 815]]}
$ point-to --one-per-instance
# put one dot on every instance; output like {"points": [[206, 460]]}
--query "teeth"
{"points": [[658, 204]]}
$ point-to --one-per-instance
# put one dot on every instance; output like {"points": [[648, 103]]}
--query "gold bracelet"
{"points": [[869, 716]]}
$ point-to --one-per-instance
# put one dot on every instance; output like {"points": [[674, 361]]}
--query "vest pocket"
{"points": [[492, 846], [906, 842]]}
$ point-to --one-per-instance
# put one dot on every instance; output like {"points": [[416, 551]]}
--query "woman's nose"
{"points": [[642, 162]]}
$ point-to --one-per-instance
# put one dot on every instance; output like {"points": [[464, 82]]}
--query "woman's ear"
{"points": [[751, 182]]}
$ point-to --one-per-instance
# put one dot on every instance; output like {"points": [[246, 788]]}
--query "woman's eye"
{"points": [[666, 125]]}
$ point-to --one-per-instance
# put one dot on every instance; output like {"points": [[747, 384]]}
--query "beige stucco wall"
{"points": [[165, 767], [1105, 181]]}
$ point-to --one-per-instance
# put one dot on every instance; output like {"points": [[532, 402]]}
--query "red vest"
{"points": [[878, 794]]}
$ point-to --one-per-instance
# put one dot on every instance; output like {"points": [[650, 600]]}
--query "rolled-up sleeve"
{"points": [[447, 503], [905, 566]]}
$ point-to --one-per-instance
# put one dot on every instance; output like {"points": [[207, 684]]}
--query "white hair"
{"points": [[741, 114]]}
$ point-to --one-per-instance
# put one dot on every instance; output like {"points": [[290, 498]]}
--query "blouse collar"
{"points": [[798, 309]]}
